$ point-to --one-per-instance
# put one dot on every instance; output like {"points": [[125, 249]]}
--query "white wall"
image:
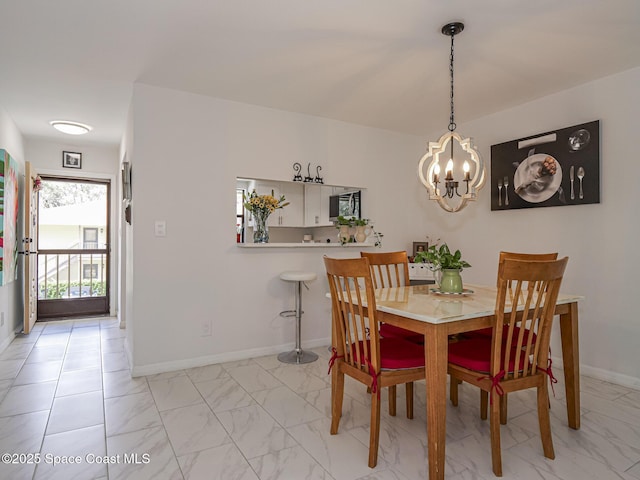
{"points": [[187, 152], [11, 294], [125, 245], [98, 162], [188, 149], [600, 239]]}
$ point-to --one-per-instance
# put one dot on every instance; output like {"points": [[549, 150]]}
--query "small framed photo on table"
{"points": [[71, 160], [419, 247]]}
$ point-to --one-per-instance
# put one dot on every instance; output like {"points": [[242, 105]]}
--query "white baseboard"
{"points": [[141, 370], [604, 375], [127, 352], [7, 341]]}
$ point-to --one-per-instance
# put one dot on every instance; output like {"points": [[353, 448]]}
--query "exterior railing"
{"points": [[71, 273]]}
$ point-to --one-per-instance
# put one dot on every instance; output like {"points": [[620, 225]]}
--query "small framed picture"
{"points": [[71, 160], [419, 247]]}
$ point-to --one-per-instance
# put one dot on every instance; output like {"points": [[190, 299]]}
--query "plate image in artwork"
{"points": [[530, 186]]}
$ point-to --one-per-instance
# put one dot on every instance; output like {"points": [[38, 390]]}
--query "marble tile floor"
{"points": [[66, 393]]}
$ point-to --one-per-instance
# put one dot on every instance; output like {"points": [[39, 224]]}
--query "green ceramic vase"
{"points": [[451, 281]]}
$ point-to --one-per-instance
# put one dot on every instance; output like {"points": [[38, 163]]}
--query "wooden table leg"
{"points": [[571, 361], [436, 356]]}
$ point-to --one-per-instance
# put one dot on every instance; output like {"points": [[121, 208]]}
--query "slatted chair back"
{"points": [[388, 269], [527, 294], [524, 256]]}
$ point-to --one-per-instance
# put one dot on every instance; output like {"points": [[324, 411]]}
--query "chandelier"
{"points": [[467, 157]]}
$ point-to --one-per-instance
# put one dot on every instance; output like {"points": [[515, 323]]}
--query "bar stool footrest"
{"points": [[289, 313]]}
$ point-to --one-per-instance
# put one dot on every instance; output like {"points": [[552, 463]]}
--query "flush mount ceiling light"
{"points": [[466, 155], [71, 128]]}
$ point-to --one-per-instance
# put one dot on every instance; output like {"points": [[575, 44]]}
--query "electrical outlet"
{"points": [[206, 328]]}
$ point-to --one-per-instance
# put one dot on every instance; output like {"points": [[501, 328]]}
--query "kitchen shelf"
{"points": [[304, 245]]}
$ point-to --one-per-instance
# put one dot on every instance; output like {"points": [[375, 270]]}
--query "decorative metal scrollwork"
{"points": [[297, 168], [308, 178]]}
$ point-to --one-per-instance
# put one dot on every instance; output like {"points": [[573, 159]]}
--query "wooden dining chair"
{"points": [[487, 332], [358, 350], [505, 363], [391, 269]]}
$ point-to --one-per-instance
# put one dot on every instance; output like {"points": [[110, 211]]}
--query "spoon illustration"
{"points": [[580, 177]]}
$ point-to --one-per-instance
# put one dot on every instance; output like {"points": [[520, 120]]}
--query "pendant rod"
{"points": [[452, 29]]}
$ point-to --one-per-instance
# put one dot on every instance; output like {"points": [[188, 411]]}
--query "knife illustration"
{"points": [[571, 172]]}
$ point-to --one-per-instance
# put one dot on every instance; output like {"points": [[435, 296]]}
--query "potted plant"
{"points": [[447, 266], [344, 224], [362, 229], [344, 221]]}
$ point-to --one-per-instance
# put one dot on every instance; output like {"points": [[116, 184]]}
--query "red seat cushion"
{"points": [[391, 331], [475, 354], [396, 354], [488, 332]]}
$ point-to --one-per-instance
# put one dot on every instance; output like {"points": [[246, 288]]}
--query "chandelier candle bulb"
{"points": [[449, 170], [465, 168], [436, 173]]}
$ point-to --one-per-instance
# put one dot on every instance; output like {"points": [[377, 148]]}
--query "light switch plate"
{"points": [[160, 228]]}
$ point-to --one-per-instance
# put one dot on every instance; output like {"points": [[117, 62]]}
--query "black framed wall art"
{"points": [[72, 159], [556, 168]]}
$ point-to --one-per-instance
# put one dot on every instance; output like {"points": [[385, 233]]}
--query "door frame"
{"points": [[112, 213], [30, 249]]}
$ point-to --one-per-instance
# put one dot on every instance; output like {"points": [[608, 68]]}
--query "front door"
{"points": [[73, 241], [30, 245]]}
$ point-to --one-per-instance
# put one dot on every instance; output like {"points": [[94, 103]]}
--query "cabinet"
{"points": [[293, 214], [290, 216], [316, 205]]}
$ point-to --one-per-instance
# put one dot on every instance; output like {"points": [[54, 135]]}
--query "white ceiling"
{"points": [[380, 63]]}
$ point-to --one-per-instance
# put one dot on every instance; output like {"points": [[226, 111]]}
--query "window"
{"points": [[90, 238], [90, 271]]}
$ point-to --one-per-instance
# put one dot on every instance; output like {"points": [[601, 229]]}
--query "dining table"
{"points": [[425, 310]]}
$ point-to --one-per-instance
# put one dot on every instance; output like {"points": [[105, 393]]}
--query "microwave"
{"points": [[346, 204]]}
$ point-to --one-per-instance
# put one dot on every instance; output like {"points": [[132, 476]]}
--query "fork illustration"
{"points": [[499, 193], [506, 190]]}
